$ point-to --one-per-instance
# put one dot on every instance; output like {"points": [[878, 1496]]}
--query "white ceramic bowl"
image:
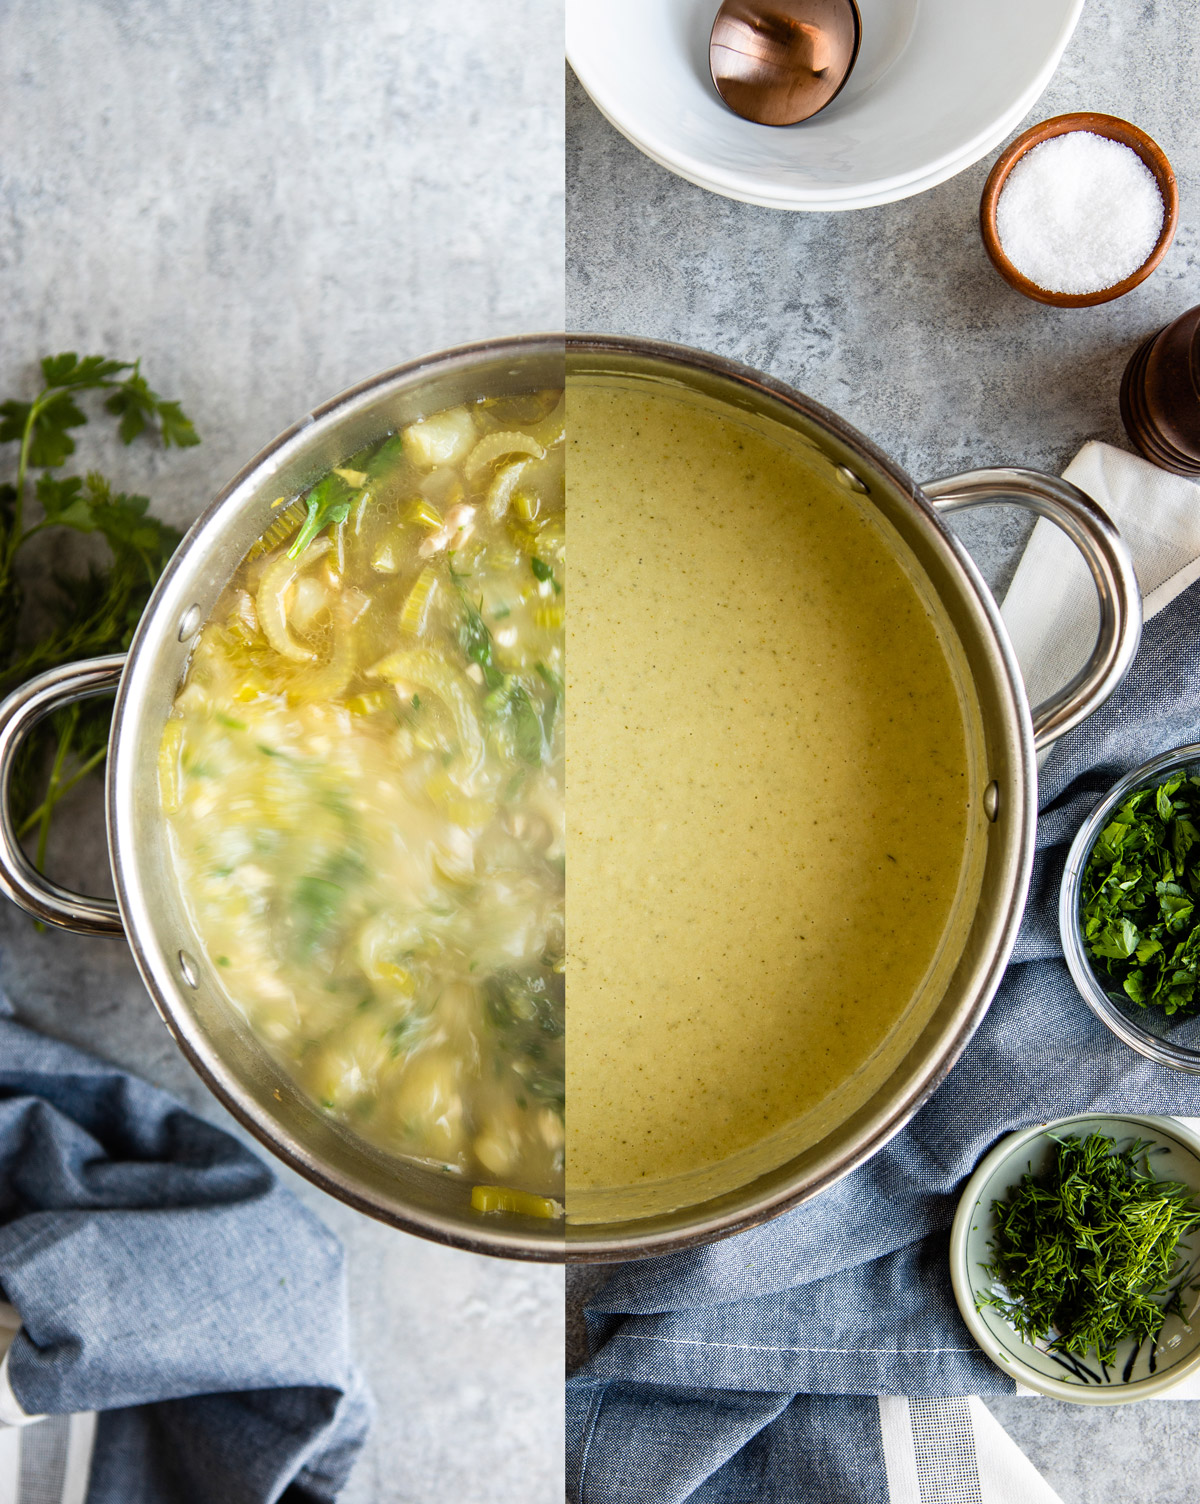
{"points": [[1152, 1369], [938, 84]]}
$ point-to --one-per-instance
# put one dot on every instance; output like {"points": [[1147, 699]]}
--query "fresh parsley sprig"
{"points": [[78, 616], [507, 702]]}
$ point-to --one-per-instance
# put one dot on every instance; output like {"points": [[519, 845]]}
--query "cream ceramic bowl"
{"points": [[938, 84], [1139, 1373]]}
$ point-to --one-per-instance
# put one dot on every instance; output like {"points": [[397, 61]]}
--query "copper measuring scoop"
{"points": [[780, 61]]}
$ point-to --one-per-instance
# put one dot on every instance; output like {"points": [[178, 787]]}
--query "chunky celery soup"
{"points": [[364, 781]]}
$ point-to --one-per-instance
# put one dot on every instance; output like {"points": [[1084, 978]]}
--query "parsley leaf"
{"points": [[329, 501], [1138, 913], [137, 406], [44, 427], [68, 370]]}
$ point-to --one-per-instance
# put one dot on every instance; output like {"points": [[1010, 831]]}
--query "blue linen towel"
{"points": [[165, 1278], [746, 1369]]}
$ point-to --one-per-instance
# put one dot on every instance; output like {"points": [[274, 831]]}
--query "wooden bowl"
{"points": [[1100, 125]]}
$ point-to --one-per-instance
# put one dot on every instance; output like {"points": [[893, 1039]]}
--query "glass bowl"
{"points": [[1168, 1040]]}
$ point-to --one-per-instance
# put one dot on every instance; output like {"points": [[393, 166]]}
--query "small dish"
{"points": [[1114, 129], [1174, 1040], [938, 84], [1140, 1372]]}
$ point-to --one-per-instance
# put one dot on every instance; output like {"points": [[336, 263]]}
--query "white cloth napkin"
{"points": [[1050, 609], [949, 1451], [1051, 615], [11, 1411]]}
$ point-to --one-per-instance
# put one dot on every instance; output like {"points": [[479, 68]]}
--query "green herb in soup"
{"points": [[1141, 928], [363, 776]]}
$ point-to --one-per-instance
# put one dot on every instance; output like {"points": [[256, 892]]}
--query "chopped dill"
{"points": [[1087, 1253]]}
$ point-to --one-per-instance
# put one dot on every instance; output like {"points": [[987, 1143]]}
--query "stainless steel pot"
{"points": [[149, 908]]}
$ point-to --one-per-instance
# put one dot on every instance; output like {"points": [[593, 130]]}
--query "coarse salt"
{"points": [[1079, 213]]}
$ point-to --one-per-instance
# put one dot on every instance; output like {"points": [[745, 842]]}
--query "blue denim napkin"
{"points": [[745, 1369], [165, 1278]]}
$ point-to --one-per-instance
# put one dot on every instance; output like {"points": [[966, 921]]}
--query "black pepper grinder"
{"points": [[1160, 396]]}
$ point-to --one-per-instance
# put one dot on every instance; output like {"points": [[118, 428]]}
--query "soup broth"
{"points": [[363, 779], [771, 801]]}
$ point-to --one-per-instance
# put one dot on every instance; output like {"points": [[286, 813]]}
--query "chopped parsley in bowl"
{"points": [[1129, 909]]}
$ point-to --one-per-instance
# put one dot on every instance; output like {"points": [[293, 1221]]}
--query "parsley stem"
{"points": [[71, 720], [47, 804], [14, 537]]}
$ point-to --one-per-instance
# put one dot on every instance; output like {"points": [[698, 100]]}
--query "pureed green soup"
{"points": [[771, 800], [363, 776]]}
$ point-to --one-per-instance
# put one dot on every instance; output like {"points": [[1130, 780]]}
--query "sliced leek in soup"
{"points": [[364, 783]]}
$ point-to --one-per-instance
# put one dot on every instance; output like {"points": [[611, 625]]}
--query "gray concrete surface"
{"points": [[267, 203], [894, 318]]}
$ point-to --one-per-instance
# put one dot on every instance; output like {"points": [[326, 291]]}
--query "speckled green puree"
{"points": [[768, 814]]}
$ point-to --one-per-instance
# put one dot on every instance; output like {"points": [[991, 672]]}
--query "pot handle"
{"points": [[19, 878], [1107, 557]]}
